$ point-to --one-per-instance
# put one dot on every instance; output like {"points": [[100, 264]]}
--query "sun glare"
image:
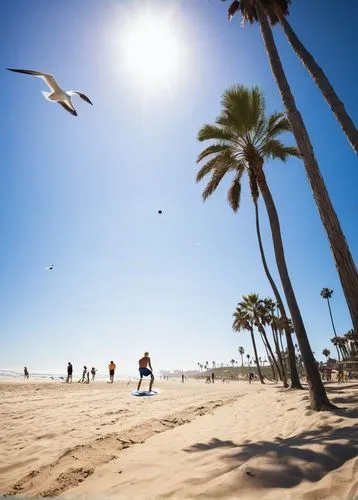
{"points": [[152, 50]]}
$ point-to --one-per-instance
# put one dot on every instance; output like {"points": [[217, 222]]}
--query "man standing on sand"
{"points": [[69, 373], [144, 371], [112, 369]]}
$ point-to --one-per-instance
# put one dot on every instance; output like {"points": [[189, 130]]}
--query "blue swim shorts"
{"points": [[144, 372]]}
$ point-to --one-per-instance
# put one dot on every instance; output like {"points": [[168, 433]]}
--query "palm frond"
{"points": [[213, 132], [276, 150], [257, 105], [234, 193], [277, 123], [221, 169], [210, 150], [237, 109], [234, 7]]}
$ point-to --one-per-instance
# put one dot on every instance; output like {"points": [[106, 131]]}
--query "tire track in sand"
{"points": [[80, 461]]}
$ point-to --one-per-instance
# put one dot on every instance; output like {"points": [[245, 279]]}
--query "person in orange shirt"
{"points": [[111, 368], [144, 371]]}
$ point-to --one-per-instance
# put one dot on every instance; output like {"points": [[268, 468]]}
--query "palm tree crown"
{"points": [[243, 138], [326, 293]]}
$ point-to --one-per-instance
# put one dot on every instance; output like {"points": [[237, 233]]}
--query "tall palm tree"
{"points": [[254, 10], [243, 321], [245, 139], [278, 10], [241, 352], [326, 293]]}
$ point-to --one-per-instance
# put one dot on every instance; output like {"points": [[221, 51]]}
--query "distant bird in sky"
{"points": [[57, 94], [49, 268], [160, 212]]}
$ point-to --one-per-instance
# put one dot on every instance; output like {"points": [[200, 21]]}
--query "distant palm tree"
{"points": [[232, 361], [267, 316], [214, 364], [248, 359], [243, 320], [326, 294], [326, 352], [241, 352], [257, 309]]}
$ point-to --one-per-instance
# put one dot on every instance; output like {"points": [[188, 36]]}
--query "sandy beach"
{"points": [[192, 440]]}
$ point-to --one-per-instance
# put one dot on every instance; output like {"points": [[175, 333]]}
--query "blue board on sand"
{"points": [[144, 393]]}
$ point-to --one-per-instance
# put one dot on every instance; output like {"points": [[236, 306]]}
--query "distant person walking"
{"points": [[93, 373], [144, 371], [26, 373], [84, 373], [182, 378], [112, 369], [69, 373], [213, 377]]}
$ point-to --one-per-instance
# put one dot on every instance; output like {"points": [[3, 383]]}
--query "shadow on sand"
{"points": [[284, 463]]}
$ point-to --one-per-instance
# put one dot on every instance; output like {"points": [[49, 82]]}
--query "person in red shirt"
{"points": [[144, 371]]}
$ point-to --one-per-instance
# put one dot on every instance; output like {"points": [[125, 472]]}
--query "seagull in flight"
{"points": [[49, 268], [57, 94]]}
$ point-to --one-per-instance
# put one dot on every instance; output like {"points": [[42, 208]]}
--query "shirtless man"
{"points": [[144, 371], [112, 369]]}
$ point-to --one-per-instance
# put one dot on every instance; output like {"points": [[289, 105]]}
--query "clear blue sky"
{"points": [[82, 193]]}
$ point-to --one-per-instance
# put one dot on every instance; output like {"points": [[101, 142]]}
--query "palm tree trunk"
{"points": [[334, 329], [330, 313], [269, 352], [242, 361], [280, 371], [295, 380], [323, 84], [278, 352], [318, 394], [283, 355], [269, 361], [256, 357], [344, 262]]}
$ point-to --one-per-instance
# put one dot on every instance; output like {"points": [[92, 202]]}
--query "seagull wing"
{"points": [[48, 79], [82, 96], [68, 108]]}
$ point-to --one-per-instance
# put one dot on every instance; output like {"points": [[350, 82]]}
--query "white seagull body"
{"points": [[57, 94]]}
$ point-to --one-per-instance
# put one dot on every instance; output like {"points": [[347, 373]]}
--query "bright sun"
{"points": [[152, 51]]}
